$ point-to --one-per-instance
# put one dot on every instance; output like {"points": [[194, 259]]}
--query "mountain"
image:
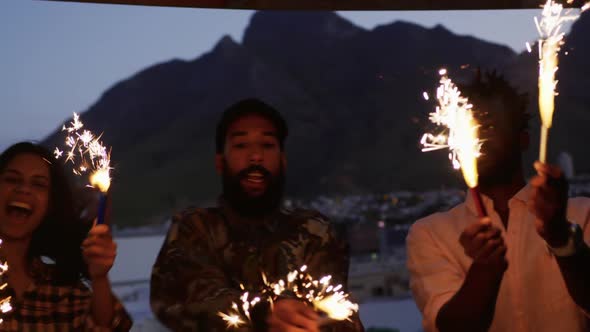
{"points": [[352, 98]]}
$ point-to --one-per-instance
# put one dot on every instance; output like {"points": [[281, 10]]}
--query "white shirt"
{"points": [[532, 295]]}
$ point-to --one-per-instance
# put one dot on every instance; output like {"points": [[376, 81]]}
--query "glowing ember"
{"points": [[100, 179]]}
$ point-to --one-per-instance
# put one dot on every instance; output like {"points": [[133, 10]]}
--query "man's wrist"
{"points": [[568, 244], [484, 274], [559, 235]]}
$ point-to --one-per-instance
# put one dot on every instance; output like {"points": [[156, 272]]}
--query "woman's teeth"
{"points": [[20, 209]]}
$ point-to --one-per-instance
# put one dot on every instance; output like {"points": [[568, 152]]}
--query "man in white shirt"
{"points": [[526, 267]]}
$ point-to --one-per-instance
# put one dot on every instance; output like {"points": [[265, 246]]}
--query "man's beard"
{"points": [[246, 205]]}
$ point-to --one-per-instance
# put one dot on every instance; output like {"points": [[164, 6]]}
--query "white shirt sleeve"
{"points": [[435, 277]]}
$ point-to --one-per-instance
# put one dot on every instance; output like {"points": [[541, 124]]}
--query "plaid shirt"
{"points": [[208, 253], [50, 308]]}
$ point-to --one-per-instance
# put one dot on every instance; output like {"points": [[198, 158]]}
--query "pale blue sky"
{"points": [[57, 58]]}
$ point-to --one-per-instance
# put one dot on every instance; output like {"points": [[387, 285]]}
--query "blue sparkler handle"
{"points": [[102, 206]]}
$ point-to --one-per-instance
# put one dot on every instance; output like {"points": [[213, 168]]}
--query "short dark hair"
{"points": [[247, 107], [60, 234], [485, 86]]}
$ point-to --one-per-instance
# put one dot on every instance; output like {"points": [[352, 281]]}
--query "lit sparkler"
{"points": [[239, 315], [5, 302], [455, 114], [551, 39], [88, 155], [320, 294]]}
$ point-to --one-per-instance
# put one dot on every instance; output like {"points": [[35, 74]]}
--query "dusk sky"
{"points": [[58, 58]]}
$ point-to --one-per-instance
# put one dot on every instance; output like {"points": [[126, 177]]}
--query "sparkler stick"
{"points": [[87, 154], [455, 114], [550, 42], [102, 207]]}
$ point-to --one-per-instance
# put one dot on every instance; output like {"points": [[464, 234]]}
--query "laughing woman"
{"points": [[57, 274]]}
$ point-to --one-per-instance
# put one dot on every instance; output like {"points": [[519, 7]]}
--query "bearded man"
{"points": [[209, 253]]}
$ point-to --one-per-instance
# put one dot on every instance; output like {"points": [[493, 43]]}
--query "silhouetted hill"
{"points": [[352, 98]]}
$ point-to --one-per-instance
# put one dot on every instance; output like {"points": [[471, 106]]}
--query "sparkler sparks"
{"points": [[320, 294], [232, 320], [551, 35], [239, 314], [5, 302], [454, 112], [336, 306], [86, 153]]}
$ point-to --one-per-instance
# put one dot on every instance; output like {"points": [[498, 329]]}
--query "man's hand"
{"points": [[483, 242], [548, 202], [290, 315]]}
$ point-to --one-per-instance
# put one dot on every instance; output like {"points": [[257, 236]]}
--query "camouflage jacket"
{"points": [[208, 253]]}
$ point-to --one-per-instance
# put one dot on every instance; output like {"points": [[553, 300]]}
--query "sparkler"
{"points": [[5, 302], [239, 315], [551, 39], [87, 154], [455, 113], [319, 293]]}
